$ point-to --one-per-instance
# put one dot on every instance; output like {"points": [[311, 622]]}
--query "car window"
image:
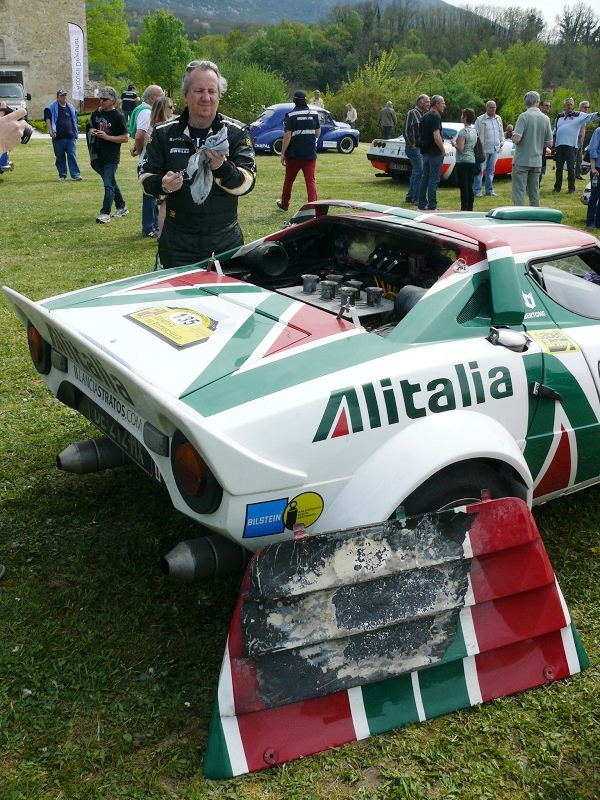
{"points": [[572, 281], [262, 118], [324, 119], [448, 133]]}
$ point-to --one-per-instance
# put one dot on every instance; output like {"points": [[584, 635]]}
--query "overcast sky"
{"points": [[548, 8]]}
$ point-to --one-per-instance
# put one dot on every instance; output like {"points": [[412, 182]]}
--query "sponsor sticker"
{"points": [[179, 327], [265, 519], [554, 341], [276, 516]]}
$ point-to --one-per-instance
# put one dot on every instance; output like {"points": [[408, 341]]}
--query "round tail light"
{"points": [[197, 484]]}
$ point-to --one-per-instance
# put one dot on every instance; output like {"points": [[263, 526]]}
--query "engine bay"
{"points": [[380, 273]]}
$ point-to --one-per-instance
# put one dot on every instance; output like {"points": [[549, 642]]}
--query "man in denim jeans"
{"points": [[106, 132], [433, 152], [412, 141], [490, 130]]}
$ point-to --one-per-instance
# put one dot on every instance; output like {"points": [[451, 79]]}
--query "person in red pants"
{"points": [[299, 149]]}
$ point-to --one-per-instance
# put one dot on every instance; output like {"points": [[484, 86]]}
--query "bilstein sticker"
{"points": [[265, 519], [179, 327], [554, 341], [275, 516]]}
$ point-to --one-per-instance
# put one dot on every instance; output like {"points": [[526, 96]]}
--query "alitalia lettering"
{"points": [[89, 363], [389, 401]]}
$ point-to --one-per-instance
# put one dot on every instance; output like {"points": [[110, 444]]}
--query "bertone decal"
{"points": [[392, 398]]}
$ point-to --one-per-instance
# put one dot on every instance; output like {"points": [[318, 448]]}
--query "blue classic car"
{"points": [[266, 131]]}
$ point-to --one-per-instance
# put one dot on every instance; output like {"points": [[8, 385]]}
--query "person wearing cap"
{"points": [[129, 100], [106, 132], [299, 149], [61, 122], [196, 224]]}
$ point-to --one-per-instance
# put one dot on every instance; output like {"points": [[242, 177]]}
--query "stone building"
{"points": [[35, 40]]}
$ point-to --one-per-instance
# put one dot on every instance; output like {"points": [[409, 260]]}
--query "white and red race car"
{"points": [[353, 368], [389, 156]]}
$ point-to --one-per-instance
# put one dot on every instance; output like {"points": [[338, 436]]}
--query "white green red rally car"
{"points": [[363, 364]]}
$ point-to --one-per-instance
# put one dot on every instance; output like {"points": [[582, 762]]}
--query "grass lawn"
{"points": [[107, 670]]}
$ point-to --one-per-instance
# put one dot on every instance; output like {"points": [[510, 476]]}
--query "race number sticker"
{"points": [[179, 327], [553, 341]]}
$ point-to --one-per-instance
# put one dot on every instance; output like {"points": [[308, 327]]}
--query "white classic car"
{"points": [[389, 156], [303, 396]]}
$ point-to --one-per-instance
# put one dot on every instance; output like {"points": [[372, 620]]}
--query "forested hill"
{"points": [[248, 11]]}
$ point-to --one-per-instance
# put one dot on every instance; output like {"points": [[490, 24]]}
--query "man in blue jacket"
{"points": [[61, 121], [565, 134]]}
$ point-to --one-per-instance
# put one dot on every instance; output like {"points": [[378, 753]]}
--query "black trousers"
{"points": [[465, 172]]}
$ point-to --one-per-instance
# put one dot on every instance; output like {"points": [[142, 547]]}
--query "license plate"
{"points": [[399, 167], [132, 448]]}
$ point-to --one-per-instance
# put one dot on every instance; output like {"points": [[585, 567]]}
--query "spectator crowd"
{"points": [[193, 168]]}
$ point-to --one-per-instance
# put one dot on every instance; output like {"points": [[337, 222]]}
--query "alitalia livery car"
{"points": [[351, 364], [266, 131], [307, 397], [389, 156]]}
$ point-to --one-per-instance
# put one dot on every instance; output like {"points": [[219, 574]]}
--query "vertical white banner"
{"points": [[77, 61]]}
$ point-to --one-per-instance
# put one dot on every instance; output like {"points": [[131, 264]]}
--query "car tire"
{"points": [[457, 485], [346, 145], [277, 146]]}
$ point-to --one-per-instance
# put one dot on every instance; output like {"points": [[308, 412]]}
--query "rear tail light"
{"points": [[39, 350], [197, 484]]}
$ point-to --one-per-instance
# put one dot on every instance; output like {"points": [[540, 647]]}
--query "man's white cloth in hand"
{"points": [[198, 168]]}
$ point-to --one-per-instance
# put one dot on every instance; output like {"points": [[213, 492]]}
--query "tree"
{"points": [[371, 87], [162, 51], [212, 47], [578, 24], [251, 89], [108, 36]]}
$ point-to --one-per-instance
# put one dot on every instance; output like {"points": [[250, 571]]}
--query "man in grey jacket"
{"points": [[490, 130], [412, 142]]}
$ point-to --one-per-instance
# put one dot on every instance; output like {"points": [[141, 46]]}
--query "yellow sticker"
{"points": [[180, 327], [554, 341], [305, 509]]}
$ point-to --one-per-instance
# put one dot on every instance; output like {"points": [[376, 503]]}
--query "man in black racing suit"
{"points": [[193, 232]]}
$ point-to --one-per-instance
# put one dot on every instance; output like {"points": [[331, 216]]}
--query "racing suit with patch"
{"points": [[194, 232]]}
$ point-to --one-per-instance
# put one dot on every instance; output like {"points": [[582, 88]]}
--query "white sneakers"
{"points": [[103, 218], [121, 212]]}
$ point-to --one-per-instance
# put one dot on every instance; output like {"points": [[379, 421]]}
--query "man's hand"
{"points": [[172, 182], [216, 159]]}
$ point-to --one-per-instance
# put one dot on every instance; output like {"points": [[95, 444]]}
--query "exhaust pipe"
{"points": [[91, 455], [198, 559]]}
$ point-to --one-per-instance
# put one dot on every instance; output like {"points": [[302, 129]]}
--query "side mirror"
{"points": [[513, 340], [27, 96]]}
